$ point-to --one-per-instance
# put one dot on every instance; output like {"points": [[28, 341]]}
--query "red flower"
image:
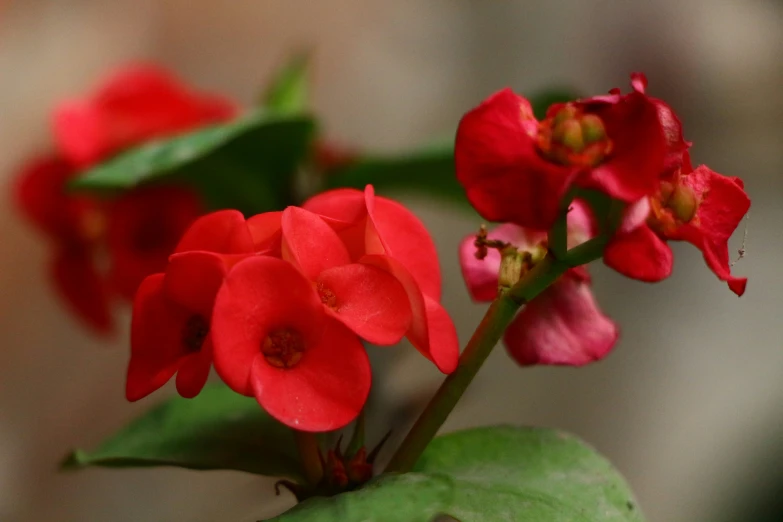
{"points": [[137, 103], [274, 340], [172, 311], [74, 225], [383, 233], [517, 169], [699, 206], [137, 231], [366, 299], [144, 225], [563, 325]]}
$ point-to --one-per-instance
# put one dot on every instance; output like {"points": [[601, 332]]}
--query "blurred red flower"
{"points": [[106, 248]]}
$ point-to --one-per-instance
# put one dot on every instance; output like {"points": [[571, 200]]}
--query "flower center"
{"points": [[283, 348], [327, 296], [571, 137], [674, 205], [194, 332]]}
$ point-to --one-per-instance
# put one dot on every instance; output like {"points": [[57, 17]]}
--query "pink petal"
{"points": [[562, 326], [368, 300]]}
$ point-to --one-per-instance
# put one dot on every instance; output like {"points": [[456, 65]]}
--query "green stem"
{"points": [[484, 339], [310, 453]]}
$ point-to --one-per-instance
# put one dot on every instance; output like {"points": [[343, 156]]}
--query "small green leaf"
{"points": [[488, 475], [247, 163], [218, 429], [288, 91]]}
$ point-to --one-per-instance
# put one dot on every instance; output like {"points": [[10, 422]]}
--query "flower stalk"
{"points": [[484, 339], [310, 453]]}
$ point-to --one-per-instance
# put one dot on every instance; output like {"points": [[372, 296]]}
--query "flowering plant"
{"points": [[286, 293]]}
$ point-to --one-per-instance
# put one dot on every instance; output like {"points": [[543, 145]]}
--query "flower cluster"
{"points": [[104, 248], [280, 302], [530, 174]]}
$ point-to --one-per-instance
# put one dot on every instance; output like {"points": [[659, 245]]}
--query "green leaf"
{"points": [[288, 91], [429, 171], [218, 429], [247, 163], [487, 475]]}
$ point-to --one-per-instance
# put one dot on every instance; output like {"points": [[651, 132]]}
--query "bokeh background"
{"points": [[689, 404]]}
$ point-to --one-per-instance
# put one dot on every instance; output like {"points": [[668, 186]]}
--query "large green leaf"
{"points": [[487, 475], [247, 163], [288, 91], [429, 170], [218, 429]]}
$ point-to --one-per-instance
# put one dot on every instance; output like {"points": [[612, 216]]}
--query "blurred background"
{"points": [[687, 406]]}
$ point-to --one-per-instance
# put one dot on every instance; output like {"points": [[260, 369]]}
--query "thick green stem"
{"points": [[484, 339], [310, 453]]}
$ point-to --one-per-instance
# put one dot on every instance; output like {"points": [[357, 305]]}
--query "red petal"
{"points": [[223, 232], [398, 233], [722, 207], [499, 165], [266, 231], [194, 371], [310, 244], [342, 206], [81, 133], [39, 193], [716, 255], [193, 279], [156, 339], [562, 326], [369, 301], [143, 230], [723, 203], [431, 332], [77, 281], [640, 254], [639, 148], [258, 295], [327, 388]]}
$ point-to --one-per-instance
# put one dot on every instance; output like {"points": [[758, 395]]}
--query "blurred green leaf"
{"points": [[429, 170], [218, 429], [486, 475], [288, 91], [246, 164]]}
